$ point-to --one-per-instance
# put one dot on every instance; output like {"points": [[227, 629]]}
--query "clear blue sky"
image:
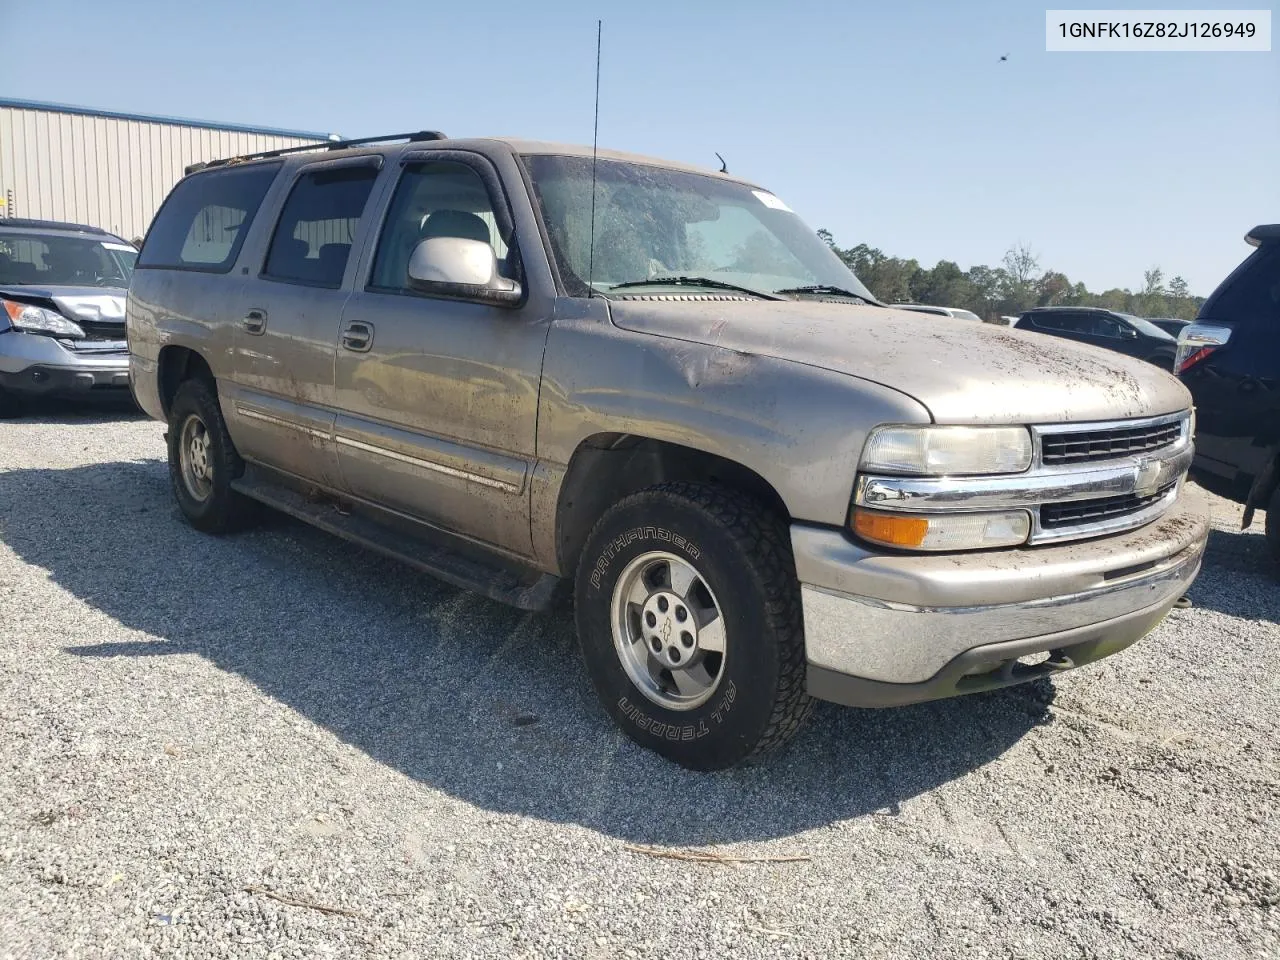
{"points": [[893, 124]]}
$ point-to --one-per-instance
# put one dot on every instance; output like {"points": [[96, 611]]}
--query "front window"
{"points": [[53, 260], [1146, 327], [653, 222]]}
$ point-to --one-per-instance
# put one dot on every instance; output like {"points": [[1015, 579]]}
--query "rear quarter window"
{"points": [[202, 224], [1252, 292]]}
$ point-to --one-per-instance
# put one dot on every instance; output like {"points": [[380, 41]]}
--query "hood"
{"points": [[963, 372], [87, 304]]}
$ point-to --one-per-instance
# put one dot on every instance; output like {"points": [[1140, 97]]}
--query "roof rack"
{"points": [[52, 225], [416, 137]]}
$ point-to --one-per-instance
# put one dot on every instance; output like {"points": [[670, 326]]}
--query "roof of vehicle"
{"points": [[53, 226], [433, 139], [1263, 233], [1060, 309]]}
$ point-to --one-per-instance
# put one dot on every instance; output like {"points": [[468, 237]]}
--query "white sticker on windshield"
{"points": [[118, 246], [770, 201]]}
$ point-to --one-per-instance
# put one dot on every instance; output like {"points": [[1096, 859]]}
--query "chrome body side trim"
{"points": [[426, 464], [252, 414]]}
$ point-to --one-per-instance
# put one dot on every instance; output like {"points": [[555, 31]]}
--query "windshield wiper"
{"points": [[823, 288], [693, 282]]}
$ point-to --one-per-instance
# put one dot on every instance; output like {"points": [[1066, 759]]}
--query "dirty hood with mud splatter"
{"points": [[961, 371]]}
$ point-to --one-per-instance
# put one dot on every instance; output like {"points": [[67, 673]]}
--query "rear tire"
{"points": [[10, 406], [699, 581], [203, 461], [1273, 524]]}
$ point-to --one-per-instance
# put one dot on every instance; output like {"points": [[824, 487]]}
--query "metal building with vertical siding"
{"points": [[110, 169]]}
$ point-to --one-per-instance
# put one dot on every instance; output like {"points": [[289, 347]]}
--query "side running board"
{"points": [[527, 590]]}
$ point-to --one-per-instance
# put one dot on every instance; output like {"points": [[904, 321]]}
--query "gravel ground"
{"points": [[188, 721]]}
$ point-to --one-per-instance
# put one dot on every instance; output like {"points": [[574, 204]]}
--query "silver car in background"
{"points": [[956, 312], [62, 297]]}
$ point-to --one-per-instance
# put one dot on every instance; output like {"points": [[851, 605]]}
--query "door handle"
{"points": [[358, 336], [255, 321]]}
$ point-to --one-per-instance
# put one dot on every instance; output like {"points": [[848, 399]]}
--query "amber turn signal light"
{"points": [[891, 529]]}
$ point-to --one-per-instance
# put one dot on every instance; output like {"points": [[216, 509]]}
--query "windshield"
{"points": [[653, 222], [1147, 327], [53, 260], [968, 315]]}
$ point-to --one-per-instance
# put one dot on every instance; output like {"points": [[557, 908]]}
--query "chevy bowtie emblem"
{"points": [[1146, 477]]}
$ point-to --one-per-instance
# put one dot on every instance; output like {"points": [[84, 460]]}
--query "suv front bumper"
{"points": [[886, 629], [32, 364]]}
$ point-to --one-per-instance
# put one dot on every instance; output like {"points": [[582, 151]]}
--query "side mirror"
{"points": [[465, 269], [1129, 333]]}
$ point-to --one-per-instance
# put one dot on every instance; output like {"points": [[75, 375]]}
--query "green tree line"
{"points": [[1016, 285]]}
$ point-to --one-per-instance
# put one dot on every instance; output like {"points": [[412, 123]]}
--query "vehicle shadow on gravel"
{"points": [[1239, 576], [488, 704], [77, 412]]}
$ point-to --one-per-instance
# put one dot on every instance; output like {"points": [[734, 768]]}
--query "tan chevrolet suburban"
{"points": [[521, 367]]}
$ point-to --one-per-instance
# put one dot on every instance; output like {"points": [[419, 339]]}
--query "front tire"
{"points": [[203, 461], [688, 613]]}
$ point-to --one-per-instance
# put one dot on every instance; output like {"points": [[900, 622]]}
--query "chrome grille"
{"points": [[1076, 512], [1087, 446], [1087, 480]]}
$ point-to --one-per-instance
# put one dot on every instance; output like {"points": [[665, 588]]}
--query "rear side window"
{"points": [[1251, 294], [203, 222], [312, 242], [1065, 322]]}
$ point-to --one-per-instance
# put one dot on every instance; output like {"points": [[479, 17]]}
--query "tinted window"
{"points": [[436, 199], [1064, 322], [53, 260], [1251, 293], [205, 218], [1107, 327], [312, 242]]}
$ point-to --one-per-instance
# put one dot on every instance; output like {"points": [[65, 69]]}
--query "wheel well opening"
{"points": [[177, 364], [608, 467]]}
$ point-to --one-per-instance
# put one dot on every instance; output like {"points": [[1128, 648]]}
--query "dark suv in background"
{"points": [[1104, 328], [1230, 361]]}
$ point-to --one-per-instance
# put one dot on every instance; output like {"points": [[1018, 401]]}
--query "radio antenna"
{"points": [[595, 139]]}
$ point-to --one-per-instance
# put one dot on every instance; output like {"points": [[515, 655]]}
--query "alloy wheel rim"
{"points": [[668, 631], [194, 458]]}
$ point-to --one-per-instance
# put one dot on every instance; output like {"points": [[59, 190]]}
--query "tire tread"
{"points": [[763, 536]]}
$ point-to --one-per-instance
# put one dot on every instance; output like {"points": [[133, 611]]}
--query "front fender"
{"points": [[799, 427]]}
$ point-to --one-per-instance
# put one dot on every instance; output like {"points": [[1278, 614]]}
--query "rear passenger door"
{"points": [[438, 398], [288, 317]]}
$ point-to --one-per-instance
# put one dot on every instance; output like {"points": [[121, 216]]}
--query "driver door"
{"points": [[437, 398]]}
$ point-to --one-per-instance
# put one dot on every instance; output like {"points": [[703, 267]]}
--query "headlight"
{"points": [[942, 531], [947, 451], [29, 319]]}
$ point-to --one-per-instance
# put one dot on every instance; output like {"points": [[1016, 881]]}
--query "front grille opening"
{"points": [[1076, 512], [1089, 445], [99, 330]]}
